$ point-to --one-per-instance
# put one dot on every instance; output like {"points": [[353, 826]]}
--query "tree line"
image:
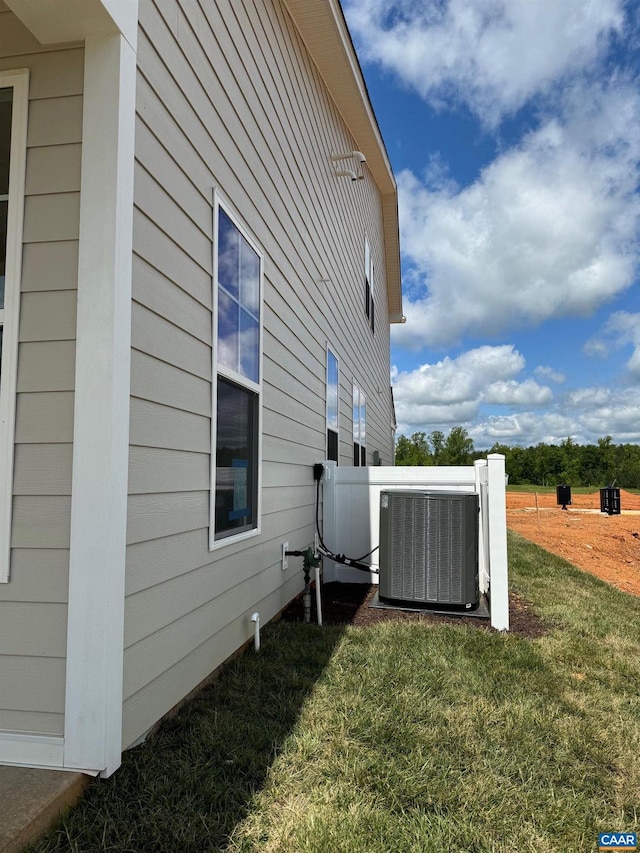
{"points": [[436, 449], [595, 465]]}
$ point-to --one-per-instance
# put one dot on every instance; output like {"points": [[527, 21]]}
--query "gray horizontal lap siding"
{"points": [[33, 605], [227, 97]]}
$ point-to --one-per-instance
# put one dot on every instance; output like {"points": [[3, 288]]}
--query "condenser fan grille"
{"points": [[429, 547]]}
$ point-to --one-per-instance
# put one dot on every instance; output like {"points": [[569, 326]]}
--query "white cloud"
{"points": [[620, 418], [588, 398], [524, 428], [550, 373], [466, 390], [621, 329], [633, 365], [507, 429], [596, 348], [512, 393], [492, 55], [548, 230], [425, 418], [455, 379], [586, 415], [452, 391], [624, 328]]}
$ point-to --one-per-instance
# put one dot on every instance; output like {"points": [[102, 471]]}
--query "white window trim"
{"points": [[19, 81], [219, 200], [327, 426]]}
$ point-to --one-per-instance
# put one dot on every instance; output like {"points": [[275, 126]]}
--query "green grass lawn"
{"points": [[398, 737]]}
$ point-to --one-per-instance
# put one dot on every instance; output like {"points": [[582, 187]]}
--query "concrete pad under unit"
{"points": [[32, 800]]}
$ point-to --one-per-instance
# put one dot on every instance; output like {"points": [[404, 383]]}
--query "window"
{"points": [[359, 426], [332, 406], [237, 353], [13, 132], [369, 301]]}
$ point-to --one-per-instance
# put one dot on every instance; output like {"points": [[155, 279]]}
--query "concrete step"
{"points": [[32, 800]]}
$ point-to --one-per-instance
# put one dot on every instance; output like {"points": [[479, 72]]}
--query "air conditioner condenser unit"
{"points": [[429, 549]]}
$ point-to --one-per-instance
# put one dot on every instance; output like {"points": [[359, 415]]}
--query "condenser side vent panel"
{"points": [[429, 548]]}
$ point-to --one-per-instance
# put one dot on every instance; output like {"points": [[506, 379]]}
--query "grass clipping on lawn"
{"points": [[401, 736]]}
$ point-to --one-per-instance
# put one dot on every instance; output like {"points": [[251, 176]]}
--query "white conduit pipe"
{"points": [[256, 630], [318, 596]]}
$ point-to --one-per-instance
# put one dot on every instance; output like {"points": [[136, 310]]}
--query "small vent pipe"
{"points": [[256, 630]]}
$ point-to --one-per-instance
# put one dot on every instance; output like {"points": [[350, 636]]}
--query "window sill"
{"points": [[217, 544]]}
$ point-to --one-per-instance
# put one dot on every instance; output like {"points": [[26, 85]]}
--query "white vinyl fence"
{"points": [[351, 518]]}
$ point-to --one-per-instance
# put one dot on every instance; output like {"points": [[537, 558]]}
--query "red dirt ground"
{"points": [[607, 546]]}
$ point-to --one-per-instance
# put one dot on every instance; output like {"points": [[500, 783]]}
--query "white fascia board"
{"points": [[93, 710], [75, 20]]}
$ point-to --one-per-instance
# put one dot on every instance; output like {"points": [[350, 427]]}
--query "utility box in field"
{"points": [[563, 495], [429, 548], [610, 500]]}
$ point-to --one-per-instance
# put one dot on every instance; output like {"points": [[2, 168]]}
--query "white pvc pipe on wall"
{"points": [[256, 630], [318, 596]]}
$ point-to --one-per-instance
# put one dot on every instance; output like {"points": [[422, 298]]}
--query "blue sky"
{"points": [[513, 128]]}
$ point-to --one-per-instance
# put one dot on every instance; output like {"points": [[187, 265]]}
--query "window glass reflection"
{"points": [[236, 493], [359, 426], [249, 278], [332, 391], [363, 418], [332, 445], [249, 345], [228, 323], [228, 254], [238, 301]]}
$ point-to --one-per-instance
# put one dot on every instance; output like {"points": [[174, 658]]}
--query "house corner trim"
{"points": [[19, 81], [93, 711]]}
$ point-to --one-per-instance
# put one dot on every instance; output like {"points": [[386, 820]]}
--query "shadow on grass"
{"points": [[193, 781]]}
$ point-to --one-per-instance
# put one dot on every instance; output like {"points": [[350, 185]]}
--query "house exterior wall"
{"points": [[228, 99], [33, 605]]}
